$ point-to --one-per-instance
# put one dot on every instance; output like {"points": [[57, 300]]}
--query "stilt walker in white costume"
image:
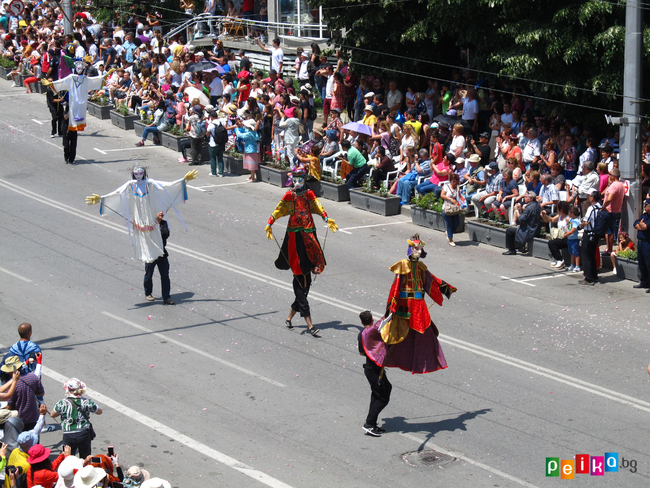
{"points": [[138, 202]]}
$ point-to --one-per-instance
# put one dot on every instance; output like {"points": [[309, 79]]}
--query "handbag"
{"points": [[557, 233], [450, 208], [80, 410]]}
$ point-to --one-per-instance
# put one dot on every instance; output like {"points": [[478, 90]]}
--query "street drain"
{"points": [[427, 458]]}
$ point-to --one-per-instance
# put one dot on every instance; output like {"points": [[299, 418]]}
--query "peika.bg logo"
{"points": [[566, 469]]}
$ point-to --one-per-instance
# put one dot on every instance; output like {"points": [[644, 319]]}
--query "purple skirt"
{"points": [[417, 353]]}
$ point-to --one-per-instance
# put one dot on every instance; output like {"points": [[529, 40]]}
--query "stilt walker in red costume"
{"points": [[406, 337], [300, 252]]}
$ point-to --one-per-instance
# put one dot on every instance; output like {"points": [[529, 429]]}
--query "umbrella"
{"points": [[450, 120], [193, 93], [217, 68], [358, 127], [200, 66]]}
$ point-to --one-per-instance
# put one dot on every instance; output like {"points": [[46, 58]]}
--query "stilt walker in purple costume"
{"points": [[406, 337]]}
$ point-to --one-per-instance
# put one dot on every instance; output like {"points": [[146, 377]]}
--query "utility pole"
{"points": [[630, 136], [67, 14]]}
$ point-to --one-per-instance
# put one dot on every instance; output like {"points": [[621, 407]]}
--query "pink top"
{"points": [[604, 179], [435, 179], [616, 204]]}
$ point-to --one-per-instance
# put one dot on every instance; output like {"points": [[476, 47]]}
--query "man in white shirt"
{"points": [[548, 195], [303, 73], [532, 148], [329, 88], [394, 97], [470, 109], [506, 117], [277, 55], [216, 87]]}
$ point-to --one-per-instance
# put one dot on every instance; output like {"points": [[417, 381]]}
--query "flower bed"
{"points": [[375, 203]]}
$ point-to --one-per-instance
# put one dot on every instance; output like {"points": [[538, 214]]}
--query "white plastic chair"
{"points": [[511, 210]]}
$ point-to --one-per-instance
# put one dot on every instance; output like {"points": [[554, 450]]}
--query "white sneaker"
{"points": [[555, 264], [576, 269], [211, 174], [561, 265], [13, 84], [52, 136], [571, 268]]}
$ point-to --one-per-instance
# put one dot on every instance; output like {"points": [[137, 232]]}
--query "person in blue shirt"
{"points": [[25, 349], [405, 185]]}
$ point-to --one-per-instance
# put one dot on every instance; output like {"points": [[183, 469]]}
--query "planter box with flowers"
{"points": [[427, 212], [380, 202], [98, 107], [274, 175], [138, 127], [334, 189], [627, 266], [172, 138], [122, 118], [234, 163]]}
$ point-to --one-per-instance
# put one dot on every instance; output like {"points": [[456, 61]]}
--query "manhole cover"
{"points": [[429, 457]]}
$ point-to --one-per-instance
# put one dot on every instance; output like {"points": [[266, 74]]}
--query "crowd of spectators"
{"points": [[24, 460], [409, 137]]}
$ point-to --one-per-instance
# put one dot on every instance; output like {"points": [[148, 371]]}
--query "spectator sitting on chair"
{"points": [[548, 195], [384, 166], [528, 227], [508, 191], [441, 173], [421, 167], [487, 195], [357, 161]]}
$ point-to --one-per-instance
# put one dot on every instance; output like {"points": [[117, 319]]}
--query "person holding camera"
{"points": [[74, 410]]}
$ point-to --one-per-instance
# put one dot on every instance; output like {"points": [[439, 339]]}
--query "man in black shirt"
{"points": [[379, 384], [380, 106], [163, 267]]}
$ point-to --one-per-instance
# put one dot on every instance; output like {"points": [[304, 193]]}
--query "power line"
{"points": [[385, 4], [579, 105], [500, 75]]}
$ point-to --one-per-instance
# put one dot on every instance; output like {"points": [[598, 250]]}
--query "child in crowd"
{"points": [[624, 242], [573, 241]]}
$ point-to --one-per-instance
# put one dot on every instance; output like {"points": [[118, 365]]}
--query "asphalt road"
{"points": [[216, 392]]}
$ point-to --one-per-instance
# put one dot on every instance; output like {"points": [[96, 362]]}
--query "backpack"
{"points": [[201, 129], [312, 113], [601, 223], [220, 135]]}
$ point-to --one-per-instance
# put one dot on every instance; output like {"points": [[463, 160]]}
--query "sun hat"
{"points": [[231, 109], [37, 454], [12, 363], [367, 108], [138, 474], [27, 440], [74, 388], [249, 124], [294, 99], [88, 477], [155, 483], [474, 158], [7, 414], [369, 95], [68, 468], [319, 132]]}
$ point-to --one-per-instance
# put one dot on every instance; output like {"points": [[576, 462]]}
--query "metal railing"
{"points": [[215, 23]]}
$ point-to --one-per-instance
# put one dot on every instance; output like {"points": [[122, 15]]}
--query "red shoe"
{"points": [[139, 143]]}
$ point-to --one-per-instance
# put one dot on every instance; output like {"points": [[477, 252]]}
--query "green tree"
{"points": [[572, 51]]}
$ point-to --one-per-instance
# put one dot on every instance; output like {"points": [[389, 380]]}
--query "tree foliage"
{"points": [[569, 49]]}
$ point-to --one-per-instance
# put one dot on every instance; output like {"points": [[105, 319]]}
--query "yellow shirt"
{"points": [[369, 120], [17, 458]]}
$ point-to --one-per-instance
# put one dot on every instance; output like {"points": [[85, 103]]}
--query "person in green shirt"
{"points": [[357, 161], [445, 98]]}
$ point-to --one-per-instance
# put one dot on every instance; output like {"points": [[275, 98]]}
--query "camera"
{"points": [[17, 470]]}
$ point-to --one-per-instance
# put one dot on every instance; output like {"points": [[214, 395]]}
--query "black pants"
{"points": [[511, 242], [301, 285], [588, 249], [56, 112], [380, 395], [378, 175], [355, 175], [644, 261], [79, 440], [555, 246], [195, 150], [69, 145], [163, 268]]}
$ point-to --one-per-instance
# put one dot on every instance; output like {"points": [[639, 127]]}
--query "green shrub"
{"points": [[628, 254], [429, 202]]}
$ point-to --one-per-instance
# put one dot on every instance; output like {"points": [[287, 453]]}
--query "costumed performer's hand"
{"points": [[46, 82], [332, 225], [269, 235], [191, 175], [93, 199], [109, 72]]}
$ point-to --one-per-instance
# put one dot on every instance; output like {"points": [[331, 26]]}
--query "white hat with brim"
{"points": [[156, 483], [67, 469], [88, 477], [249, 124], [7, 414]]}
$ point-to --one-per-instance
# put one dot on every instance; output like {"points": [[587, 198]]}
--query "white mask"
{"points": [[138, 172], [298, 182]]}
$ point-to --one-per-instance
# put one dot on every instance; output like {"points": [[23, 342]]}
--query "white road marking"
{"points": [[51, 144], [199, 447], [233, 268], [373, 225], [516, 281], [196, 188], [15, 275], [195, 350], [225, 184], [470, 461], [136, 148], [38, 121], [100, 151]]}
